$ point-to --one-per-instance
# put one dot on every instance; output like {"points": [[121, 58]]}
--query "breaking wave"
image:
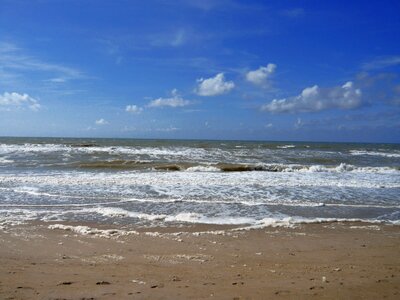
{"points": [[229, 167], [375, 153]]}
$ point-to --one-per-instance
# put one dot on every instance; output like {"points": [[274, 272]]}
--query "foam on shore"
{"points": [[86, 230]]}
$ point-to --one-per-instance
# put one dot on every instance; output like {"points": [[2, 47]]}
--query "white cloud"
{"points": [[298, 124], [261, 75], [314, 99], [175, 100], [134, 109], [14, 61], [179, 38], [167, 129], [8, 100], [380, 87], [269, 125], [382, 62], [101, 122], [214, 86], [169, 39], [57, 80]]}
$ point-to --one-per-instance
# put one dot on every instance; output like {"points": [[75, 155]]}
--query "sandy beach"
{"points": [[320, 261]]}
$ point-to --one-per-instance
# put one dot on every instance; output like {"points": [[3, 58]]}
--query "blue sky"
{"points": [[228, 69]]}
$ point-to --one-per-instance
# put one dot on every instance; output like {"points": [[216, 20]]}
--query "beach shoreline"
{"points": [[338, 260]]}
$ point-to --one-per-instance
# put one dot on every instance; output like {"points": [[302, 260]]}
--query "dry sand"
{"points": [[319, 261]]}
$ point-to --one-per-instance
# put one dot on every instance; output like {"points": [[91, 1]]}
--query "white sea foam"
{"points": [[343, 167], [5, 160], [86, 230], [18, 216], [291, 222], [177, 182], [27, 189], [285, 146], [375, 153], [119, 212], [189, 217], [285, 222], [66, 149], [203, 169], [97, 207], [31, 148], [184, 217], [234, 184], [34, 191]]}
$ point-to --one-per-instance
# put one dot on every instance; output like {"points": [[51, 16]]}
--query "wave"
{"points": [[201, 168], [84, 145], [303, 168], [184, 217], [348, 168], [250, 223], [188, 217], [98, 206], [119, 212], [229, 167], [166, 184], [285, 146], [112, 164], [89, 148], [269, 219], [133, 165], [4, 160], [375, 153], [291, 222]]}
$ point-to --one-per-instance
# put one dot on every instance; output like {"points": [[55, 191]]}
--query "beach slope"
{"points": [[321, 261]]}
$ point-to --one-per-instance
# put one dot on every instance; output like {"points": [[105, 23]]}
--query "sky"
{"points": [[201, 69]]}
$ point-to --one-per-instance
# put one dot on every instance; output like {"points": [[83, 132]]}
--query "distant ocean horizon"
{"points": [[196, 139], [159, 182]]}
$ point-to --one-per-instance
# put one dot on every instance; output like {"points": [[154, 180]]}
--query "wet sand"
{"points": [[317, 261]]}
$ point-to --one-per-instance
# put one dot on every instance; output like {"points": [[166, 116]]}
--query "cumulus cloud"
{"points": [[175, 100], [133, 109], [314, 99], [261, 75], [101, 122], [17, 100], [214, 86]]}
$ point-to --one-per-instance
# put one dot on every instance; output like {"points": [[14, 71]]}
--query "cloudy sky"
{"points": [[223, 69]]}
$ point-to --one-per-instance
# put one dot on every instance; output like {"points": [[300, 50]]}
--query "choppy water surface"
{"points": [[162, 182]]}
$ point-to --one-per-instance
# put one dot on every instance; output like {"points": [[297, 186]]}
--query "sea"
{"points": [[152, 183]]}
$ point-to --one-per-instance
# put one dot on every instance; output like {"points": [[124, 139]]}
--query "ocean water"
{"points": [[171, 182]]}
